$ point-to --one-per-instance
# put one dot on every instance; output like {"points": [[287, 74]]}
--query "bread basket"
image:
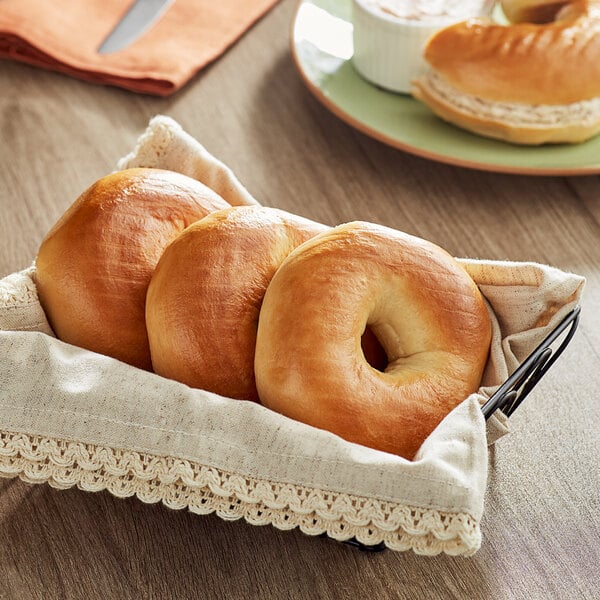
{"points": [[70, 417]]}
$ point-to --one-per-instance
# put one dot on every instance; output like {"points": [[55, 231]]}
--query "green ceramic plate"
{"points": [[322, 50]]}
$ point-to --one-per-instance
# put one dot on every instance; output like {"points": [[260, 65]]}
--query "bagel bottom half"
{"points": [[513, 122], [425, 310]]}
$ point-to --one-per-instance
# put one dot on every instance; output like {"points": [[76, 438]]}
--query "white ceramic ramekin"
{"points": [[388, 49]]}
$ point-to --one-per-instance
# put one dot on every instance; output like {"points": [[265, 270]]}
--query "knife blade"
{"points": [[137, 20]]}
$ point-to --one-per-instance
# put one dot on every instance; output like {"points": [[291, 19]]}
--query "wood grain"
{"points": [[541, 527]]}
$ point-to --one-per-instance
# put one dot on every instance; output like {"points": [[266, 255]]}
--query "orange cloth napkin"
{"points": [[63, 35]]}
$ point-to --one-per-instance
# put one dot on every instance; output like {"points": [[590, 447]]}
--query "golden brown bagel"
{"points": [[205, 296], [94, 266], [425, 310], [526, 83]]}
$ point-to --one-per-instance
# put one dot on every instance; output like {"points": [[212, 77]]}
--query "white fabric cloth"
{"points": [[165, 145], [73, 417]]}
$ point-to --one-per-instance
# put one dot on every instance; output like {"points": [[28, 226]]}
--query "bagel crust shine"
{"points": [[425, 310]]}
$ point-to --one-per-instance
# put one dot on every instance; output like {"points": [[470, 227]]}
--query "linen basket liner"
{"points": [[71, 417]]}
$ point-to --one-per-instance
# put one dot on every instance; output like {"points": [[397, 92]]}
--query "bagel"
{"points": [[526, 83], [205, 296], [94, 266], [421, 304]]}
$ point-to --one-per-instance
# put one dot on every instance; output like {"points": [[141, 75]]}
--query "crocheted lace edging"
{"points": [[18, 289], [185, 484]]}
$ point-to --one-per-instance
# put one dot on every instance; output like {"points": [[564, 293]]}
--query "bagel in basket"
{"points": [[526, 82], [94, 266], [425, 310], [206, 292]]}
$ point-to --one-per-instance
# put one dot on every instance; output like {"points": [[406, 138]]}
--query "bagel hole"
{"points": [[541, 15], [374, 353]]}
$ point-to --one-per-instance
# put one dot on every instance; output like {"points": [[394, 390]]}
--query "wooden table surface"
{"points": [[541, 529]]}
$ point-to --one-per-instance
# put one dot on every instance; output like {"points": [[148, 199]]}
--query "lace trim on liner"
{"points": [[18, 289], [184, 484]]}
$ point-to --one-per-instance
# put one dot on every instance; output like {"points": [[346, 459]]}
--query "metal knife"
{"points": [[137, 20]]}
